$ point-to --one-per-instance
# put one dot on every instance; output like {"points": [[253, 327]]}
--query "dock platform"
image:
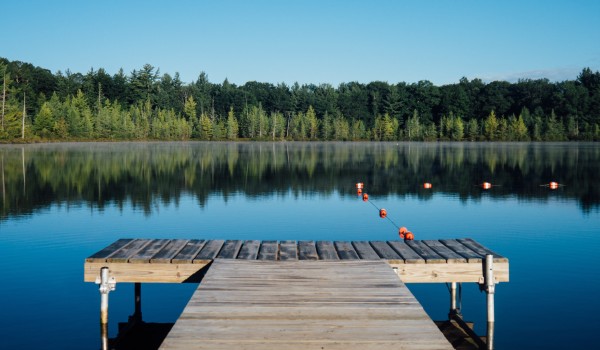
{"points": [[178, 260], [300, 294]]}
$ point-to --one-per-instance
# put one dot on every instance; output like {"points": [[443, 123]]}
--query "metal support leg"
{"points": [[490, 288], [137, 313], [106, 285], [452, 300]]}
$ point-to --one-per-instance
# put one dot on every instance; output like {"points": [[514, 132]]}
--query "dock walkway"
{"points": [[303, 305]]}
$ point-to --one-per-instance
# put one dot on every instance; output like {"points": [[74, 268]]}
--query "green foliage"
{"points": [[491, 126], [145, 104]]}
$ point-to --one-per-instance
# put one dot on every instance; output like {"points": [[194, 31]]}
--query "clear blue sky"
{"points": [[309, 41]]}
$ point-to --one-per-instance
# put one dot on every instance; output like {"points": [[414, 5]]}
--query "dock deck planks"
{"points": [[176, 260], [294, 304]]}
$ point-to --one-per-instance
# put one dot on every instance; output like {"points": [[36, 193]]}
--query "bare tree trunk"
{"points": [[23, 119], [3, 100]]}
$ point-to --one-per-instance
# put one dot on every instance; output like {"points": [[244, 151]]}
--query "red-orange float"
{"points": [[486, 185], [553, 185], [359, 186], [427, 185], [382, 213], [409, 236], [365, 197], [359, 191], [402, 232]]}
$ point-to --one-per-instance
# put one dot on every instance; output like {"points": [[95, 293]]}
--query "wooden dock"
{"points": [[303, 305], [177, 260], [300, 294]]}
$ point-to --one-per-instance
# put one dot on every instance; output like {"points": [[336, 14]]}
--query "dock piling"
{"points": [[490, 288], [107, 284], [455, 300]]}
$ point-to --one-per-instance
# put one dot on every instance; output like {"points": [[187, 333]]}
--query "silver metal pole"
{"points": [[490, 287], [106, 285]]}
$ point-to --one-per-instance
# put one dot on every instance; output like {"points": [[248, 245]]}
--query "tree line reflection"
{"points": [[33, 177]]}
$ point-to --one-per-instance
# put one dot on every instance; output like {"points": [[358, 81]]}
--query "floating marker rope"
{"points": [[387, 217]]}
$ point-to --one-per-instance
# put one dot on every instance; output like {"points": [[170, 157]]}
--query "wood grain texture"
{"points": [[346, 251], [288, 250], [426, 252], [269, 250], [189, 251], [210, 250], [345, 304], [150, 250], [104, 253], [326, 250], [463, 250], [483, 251], [169, 251], [249, 250], [442, 250], [230, 249], [307, 250], [123, 254], [365, 251]]}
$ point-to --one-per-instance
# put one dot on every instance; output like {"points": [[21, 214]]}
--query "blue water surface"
{"points": [[551, 239]]}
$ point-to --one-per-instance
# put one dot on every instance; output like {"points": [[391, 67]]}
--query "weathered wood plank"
{"points": [[406, 252], [269, 250], [463, 250], [249, 250], [230, 249], [303, 305], [288, 250], [365, 251], [427, 253], [103, 254], [189, 251], [169, 251], [209, 251], [150, 250], [145, 273], [445, 273], [445, 252], [384, 250], [122, 255], [326, 250], [345, 250], [307, 250], [478, 248]]}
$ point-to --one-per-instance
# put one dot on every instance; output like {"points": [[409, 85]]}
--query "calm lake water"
{"points": [[62, 202]]}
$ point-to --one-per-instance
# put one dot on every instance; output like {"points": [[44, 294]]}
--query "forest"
{"points": [[38, 105]]}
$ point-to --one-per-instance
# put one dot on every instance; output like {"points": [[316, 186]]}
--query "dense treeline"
{"points": [[37, 104]]}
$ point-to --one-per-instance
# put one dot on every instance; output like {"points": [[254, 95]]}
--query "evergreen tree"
{"points": [[490, 126], [232, 125]]}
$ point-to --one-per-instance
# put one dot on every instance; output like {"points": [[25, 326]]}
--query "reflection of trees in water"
{"points": [[35, 176]]}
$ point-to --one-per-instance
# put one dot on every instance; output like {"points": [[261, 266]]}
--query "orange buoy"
{"points": [[359, 186], [382, 213], [365, 197], [402, 232], [486, 185], [427, 185], [409, 236], [359, 191], [553, 185]]}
